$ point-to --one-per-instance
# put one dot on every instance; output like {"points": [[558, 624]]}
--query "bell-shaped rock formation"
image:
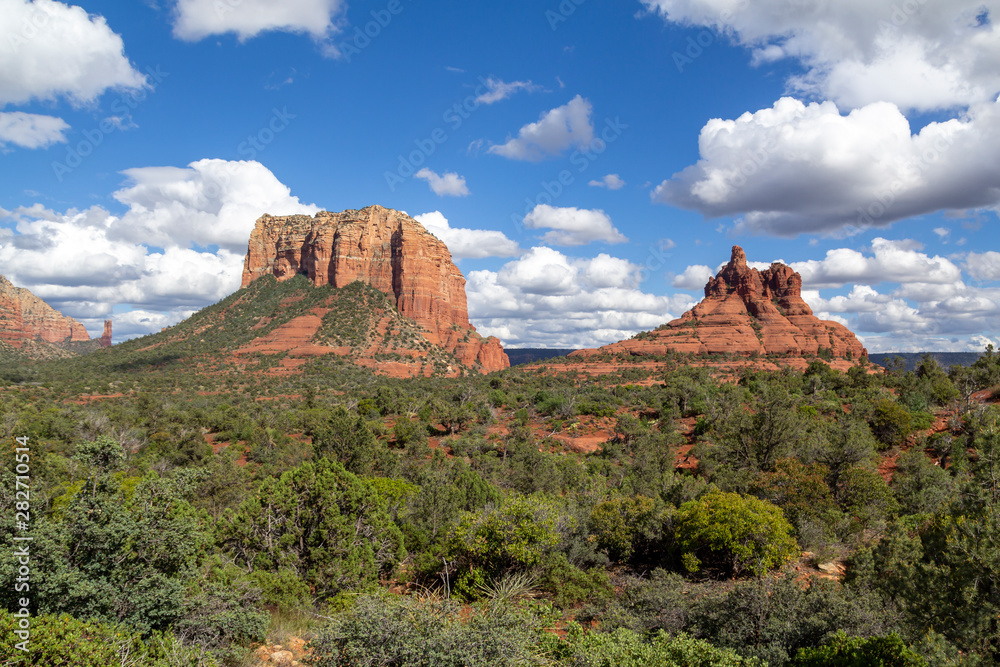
{"points": [[389, 251], [747, 312]]}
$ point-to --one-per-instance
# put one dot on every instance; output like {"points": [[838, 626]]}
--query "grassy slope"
{"points": [[208, 339]]}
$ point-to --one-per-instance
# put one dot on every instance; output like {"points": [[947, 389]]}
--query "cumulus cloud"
{"points": [[468, 243], [448, 185], [153, 259], [29, 130], [901, 299], [555, 132], [209, 202], [797, 168], [51, 49], [918, 55], [983, 266], [611, 182], [132, 323], [573, 226], [694, 277], [498, 90], [548, 299], [890, 261], [74, 262], [197, 19]]}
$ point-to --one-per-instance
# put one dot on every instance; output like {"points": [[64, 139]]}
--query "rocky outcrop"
{"points": [[747, 312], [389, 251], [106, 336], [25, 318]]}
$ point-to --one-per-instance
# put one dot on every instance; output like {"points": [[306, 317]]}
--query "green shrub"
{"points": [[405, 632], [890, 423], [921, 421], [844, 651], [865, 496], [568, 585], [320, 521], [64, 641], [624, 526], [799, 490], [733, 533], [497, 541], [625, 648]]}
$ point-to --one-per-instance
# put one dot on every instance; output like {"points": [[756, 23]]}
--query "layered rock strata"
{"points": [[24, 317], [389, 251], [746, 312]]}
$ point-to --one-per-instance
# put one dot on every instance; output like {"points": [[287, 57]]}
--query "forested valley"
{"points": [[182, 517]]}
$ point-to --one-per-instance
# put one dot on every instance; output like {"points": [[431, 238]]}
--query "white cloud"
{"points": [[890, 262], [611, 182], [797, 168], [498, 90], [556, 131], [73, 262], [140, 322], [448, 185], [209, 202], [542, 271], [695, 278], [923, 302], [29, 130], [573, 226], [468, 243], [548, 299], [86, 262], [918, 55], [49, 49], [983, 266], [197, 19]]}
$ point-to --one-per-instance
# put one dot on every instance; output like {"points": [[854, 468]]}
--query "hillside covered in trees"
{"points": [[187, 513]]}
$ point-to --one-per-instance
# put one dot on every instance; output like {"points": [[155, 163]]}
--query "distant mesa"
{"points": [[36, 329], [747, 313], [387, 250]]}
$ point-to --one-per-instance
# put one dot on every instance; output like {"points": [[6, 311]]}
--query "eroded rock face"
{"points": [[389, 251], [106, 336], [25, 317], [747, 312]]}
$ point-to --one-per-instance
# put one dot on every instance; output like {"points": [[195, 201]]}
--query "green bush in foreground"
{"points": [[844, 651], [625, 648], [406, 632], [733, 533], [64, 641]]}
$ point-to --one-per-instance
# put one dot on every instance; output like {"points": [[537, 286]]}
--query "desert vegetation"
{"points": [[184, 514]]}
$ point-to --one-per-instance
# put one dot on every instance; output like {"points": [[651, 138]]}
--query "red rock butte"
{"points": [[386, 249], [746, 312], [24, 317]]}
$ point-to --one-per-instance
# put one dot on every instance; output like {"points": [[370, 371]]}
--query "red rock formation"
{"points": [[106, 336], [746, 312], [25, 317], [386, 249]]}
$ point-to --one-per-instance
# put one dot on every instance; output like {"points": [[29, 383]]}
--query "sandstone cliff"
{"points": [[24, 318], [387, 250], [746, 312]]}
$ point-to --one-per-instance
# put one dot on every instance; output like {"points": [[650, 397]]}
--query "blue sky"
{"points": [[589, 164]]}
